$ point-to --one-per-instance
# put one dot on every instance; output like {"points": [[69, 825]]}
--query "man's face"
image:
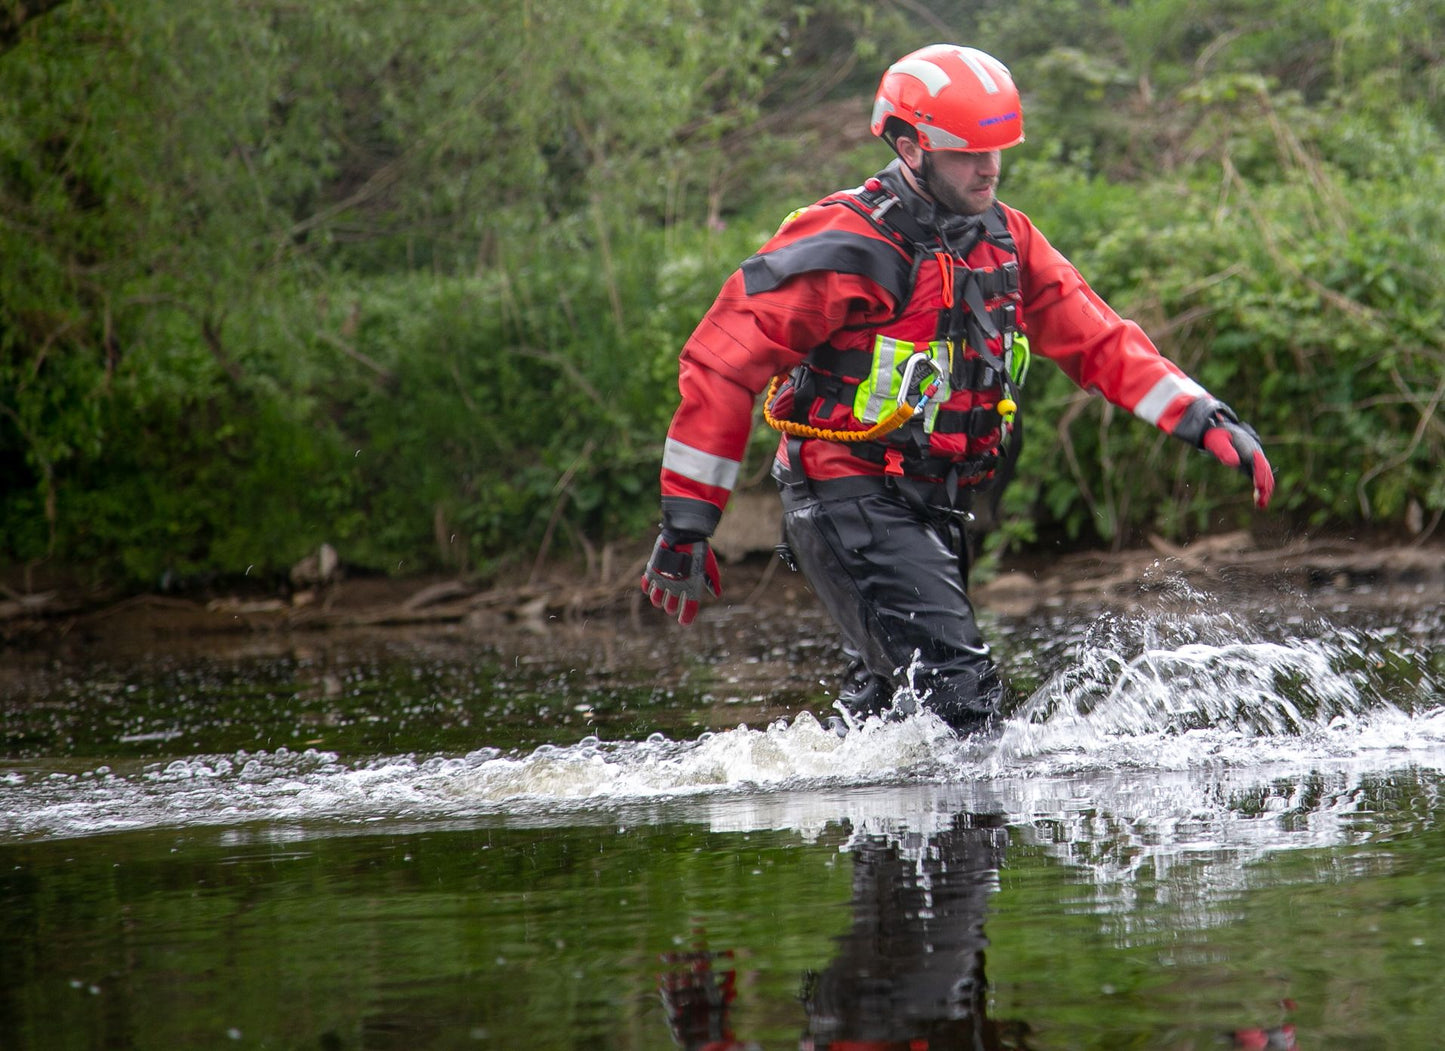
{"points": [[964, 183]]}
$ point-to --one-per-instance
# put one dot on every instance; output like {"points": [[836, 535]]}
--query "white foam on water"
{"points": [[783, 753], [1133, 700], [1160, 727], [289, 786]]}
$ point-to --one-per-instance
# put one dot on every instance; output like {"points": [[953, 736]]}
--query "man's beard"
{"points": [[944, 195]]}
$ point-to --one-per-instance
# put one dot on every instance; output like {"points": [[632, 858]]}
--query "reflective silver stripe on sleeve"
{"points": [[699, 466], [1153, 404]]}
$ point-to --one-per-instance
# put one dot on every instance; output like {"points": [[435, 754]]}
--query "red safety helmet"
{"points": [[954, 98]]}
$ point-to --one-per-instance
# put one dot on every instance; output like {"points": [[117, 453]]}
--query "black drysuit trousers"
{"points": [[891, 571]]}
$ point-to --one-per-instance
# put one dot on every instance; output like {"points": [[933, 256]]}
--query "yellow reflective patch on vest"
{"points": [[793, 215], [877, 395], [1018, 357]]}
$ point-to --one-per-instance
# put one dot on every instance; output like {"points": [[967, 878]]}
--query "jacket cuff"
{"points": [[1202, 414], [687, 519]]}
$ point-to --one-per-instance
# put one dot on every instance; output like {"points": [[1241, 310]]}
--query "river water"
{"points": [[1204, 824]]}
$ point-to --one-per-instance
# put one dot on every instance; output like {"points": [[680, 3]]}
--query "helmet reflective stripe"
{"points": [[698, 466], [938, 139], [972, 59], [882, 108], [934, 78], [877, 395], [1163, 393]]}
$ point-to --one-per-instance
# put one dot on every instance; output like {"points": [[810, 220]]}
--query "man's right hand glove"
{"points": [[676, 574]]}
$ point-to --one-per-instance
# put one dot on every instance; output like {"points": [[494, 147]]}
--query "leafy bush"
{"points": [[272, 275]]}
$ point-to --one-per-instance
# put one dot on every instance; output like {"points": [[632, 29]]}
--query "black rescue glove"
{"points": [[1211, 425], [676, 574]]}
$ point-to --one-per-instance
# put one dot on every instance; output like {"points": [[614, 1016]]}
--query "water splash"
{"points": [[314, 785], [1169, 692], [1143, 697]]}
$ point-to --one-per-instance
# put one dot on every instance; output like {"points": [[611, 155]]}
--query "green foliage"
{"points": [[508, 398], [198, 203], [275, 274], [1321, 329]]}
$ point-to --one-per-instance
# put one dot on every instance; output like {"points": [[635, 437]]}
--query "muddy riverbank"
{"points": [[562, 604]]}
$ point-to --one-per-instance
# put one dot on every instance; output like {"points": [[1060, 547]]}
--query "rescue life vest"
{"points": [[953, 344]]}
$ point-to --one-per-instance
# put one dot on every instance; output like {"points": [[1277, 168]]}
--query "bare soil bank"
{"points": [[556, 604]]}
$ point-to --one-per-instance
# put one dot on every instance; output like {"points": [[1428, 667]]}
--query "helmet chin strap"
{"points": [[920, 175], [921, 180]]}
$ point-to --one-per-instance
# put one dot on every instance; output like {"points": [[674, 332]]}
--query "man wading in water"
{"points": [[892, 326]]}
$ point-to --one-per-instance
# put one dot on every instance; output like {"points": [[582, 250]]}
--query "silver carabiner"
{"points": [[910, 367]]}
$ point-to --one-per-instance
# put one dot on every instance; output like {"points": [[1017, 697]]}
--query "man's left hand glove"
{"points": [[676, 574], [1214, 427]]}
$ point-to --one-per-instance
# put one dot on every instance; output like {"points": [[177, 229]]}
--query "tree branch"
{"points": [[15, 15]]}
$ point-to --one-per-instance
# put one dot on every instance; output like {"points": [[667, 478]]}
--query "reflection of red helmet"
{"points": [[955, 98]]}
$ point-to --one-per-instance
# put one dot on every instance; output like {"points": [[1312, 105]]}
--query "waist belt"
{"points": [[973, 469]]}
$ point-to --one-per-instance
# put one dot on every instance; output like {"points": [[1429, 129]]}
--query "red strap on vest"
{"points": [[945, 273]]}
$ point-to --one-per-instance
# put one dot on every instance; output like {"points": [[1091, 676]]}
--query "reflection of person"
{"points": [[698, 1001], [1279, 1037], [910, 971], [901, 314]]}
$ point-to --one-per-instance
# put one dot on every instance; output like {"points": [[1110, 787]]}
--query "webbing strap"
{"points": [[923, 466], [976, 423], [851, 364]]}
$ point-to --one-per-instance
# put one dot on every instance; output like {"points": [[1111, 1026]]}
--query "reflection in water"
{"points": [[1273, 1038], [698, 999], [909, 973]]}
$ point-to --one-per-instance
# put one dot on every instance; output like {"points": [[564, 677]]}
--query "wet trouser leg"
{"points": [[895, 587]]}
